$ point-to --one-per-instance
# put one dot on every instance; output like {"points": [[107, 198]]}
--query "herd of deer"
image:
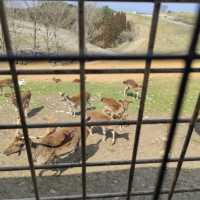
{"points": [[63, 141]]}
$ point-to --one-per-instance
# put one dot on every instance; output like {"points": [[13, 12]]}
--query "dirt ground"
{"points": [[102, 65], [99, 179]]}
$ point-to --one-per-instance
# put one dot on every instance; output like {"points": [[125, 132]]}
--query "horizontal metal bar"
{"points": [[97, 123], [91, 57], [112, 195], [96, 71], [96, 164], [131, 1]]}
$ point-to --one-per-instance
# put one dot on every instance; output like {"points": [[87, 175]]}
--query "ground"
{"points": [[46, 102]]}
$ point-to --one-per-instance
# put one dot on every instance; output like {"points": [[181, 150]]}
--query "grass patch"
{"points": [[160, 97]]}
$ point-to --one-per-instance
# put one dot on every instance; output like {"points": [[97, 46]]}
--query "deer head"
{"points": [[16, 146]]}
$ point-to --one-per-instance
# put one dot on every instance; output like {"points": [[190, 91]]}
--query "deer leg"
{"points": [[113, 137], [90, 130], [125, 91], [104, 133], [25, 112]]}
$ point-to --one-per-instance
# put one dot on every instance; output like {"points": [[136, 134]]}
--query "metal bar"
{"points": [[82, 93], [131, 1], [152, 37], [92, 57], [9, 50], [97, 71], [177, 108], [96, 164], [184, 149], [97, 123]]}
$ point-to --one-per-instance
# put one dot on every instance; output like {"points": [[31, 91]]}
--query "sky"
{"points": [[139, 7], [148, 7]]}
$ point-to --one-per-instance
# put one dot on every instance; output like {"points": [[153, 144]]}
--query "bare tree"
{"points": [[92, 17], [34, 17], [58, 20]]}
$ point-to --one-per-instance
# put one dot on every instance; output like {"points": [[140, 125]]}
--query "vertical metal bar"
{"points": [[151, 44], [9, 51], [82, 91], [177, 108], [185, 146]]}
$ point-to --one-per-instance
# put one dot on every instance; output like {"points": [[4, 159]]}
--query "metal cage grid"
{"points": [[10, 57]]}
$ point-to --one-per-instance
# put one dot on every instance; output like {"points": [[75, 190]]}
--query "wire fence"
{"points": [[83, 57]]}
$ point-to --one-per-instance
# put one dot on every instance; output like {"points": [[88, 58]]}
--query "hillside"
{"points": [[173, 36]]}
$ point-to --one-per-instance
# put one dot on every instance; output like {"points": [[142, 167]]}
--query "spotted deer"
{"points": [[25, 97], [94, 116], [133, 85], [114, 108], [73, 102], [5, 83]]}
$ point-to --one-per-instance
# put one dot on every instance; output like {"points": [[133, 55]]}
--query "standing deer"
{"points": [[73, 102], [5, 83], [25, 97], [94, 116], [133, 85], [113, 107]]}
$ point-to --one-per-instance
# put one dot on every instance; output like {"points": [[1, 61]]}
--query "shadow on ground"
{"points": [[100, 182], [35, 111]]}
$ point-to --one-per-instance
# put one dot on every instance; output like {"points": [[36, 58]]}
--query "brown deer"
{"points": [[94, 116], [56, 143], [56, 80], [76, 80], [25, 97], [5, 83], [73, 102], [113, 107], [133, 85]]}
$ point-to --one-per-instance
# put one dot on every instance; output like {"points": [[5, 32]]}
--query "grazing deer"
{"points": [[132, 84], [113, 107], [56, 80], [73, 102], [76, 80], [56, 143], [25, 97], [5, 83], [99, 116]]}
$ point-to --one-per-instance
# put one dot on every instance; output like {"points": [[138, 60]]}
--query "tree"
{"points": [[34, 17]]}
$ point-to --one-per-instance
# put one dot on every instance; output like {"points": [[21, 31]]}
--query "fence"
{"points": [[82, 58]]}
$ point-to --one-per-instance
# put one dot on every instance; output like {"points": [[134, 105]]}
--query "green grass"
{"points": [[160, 97]]}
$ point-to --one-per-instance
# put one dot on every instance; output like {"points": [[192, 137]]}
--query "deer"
{"points": [[5, 83], [133, 85], [115, 108], [25, 97], [56, 143], [56, 80], [77, 80], [73, 102], [100, 116]]}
